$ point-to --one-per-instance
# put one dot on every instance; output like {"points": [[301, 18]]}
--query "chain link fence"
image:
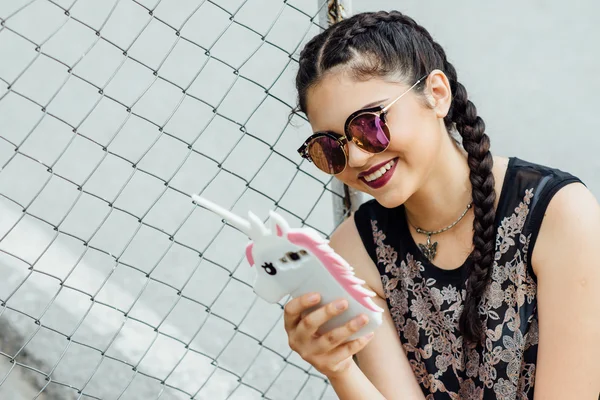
{"points": [[114, 285]]}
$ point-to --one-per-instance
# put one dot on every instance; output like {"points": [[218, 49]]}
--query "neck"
{"points": [[445, 193]]}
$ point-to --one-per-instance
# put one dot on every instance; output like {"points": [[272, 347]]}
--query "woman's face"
{"points": [[416, 131]]}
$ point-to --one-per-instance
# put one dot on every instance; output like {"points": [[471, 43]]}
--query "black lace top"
{"points": [[426, 301]]}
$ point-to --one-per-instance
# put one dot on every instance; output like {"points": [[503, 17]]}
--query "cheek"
{"points": [[347, 177], [415, 139]]}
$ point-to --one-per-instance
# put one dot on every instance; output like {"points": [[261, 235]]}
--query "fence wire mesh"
{"points": [[114, 284]]}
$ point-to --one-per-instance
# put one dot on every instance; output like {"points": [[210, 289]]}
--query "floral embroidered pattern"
{"points": [[426, 314]]}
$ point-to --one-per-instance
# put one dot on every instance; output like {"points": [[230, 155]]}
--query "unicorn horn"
{"points": [[234, 220]]}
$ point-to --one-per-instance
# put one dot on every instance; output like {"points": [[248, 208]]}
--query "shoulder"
{"points": [[567, 267], [528, 190], [570, 222], [346, 241], [561, 218], [572, 202], [522, 179], [530, 173]]}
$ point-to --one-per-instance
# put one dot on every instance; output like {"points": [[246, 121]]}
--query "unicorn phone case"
{"points": [[297, 261]]}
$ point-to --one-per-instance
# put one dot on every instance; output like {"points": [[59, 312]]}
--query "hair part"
{"points": [[393, 47]]}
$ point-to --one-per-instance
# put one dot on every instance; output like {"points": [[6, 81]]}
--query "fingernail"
{"points": [[340, 305], [360, 321], [313, 298], [370, 335]]}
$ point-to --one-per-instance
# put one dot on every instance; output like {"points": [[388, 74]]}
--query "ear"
{"points": [[278, 224], [249, 255], [439, 93], [257, 227]]}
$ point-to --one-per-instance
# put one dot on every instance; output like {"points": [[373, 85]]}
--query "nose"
{"points": [[357, 158]]}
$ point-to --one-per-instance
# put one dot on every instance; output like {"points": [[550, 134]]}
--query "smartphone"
{"points": [[297, 261]]}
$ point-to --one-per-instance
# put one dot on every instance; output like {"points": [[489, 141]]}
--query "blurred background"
{"points": [[113, 284]]}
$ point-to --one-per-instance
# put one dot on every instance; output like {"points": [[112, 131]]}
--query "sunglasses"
{"points": [[366, 128]]}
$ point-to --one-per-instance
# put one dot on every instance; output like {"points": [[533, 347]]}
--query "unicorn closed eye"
{"points": [[299, 261]]}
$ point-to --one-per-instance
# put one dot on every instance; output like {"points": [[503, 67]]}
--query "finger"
{"points": [[294, 308], [337, 336], [349, 349], [309, 325]]}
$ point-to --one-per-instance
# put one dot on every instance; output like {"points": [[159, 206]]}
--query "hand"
{"points": [[328, 352]]}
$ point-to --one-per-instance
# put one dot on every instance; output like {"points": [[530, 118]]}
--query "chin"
{"points": [[390, 200], [395, 193]]}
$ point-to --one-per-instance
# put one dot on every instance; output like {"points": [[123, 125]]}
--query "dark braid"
{"points": [[477, 144], [392, 45]]}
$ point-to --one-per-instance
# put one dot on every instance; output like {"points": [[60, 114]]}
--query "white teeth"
{"points": [[377, 174]]}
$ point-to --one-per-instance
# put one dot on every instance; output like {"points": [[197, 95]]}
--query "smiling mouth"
{"points": [[381, 176], [380, 172]]}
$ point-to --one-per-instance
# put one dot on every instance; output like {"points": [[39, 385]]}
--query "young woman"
{"points": [[486, 266]]}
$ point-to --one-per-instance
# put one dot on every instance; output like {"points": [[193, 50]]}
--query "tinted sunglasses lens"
{"points": [[327, 154], [369, 132]]}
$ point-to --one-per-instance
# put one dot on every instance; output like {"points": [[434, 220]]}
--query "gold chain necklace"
{"points": [[429, 249]]}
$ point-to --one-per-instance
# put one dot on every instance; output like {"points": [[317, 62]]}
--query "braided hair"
{"points": [[392, 45]]}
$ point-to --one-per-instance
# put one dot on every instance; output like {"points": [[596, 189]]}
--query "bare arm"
{"points": [[384, 371], [567, 264], [384, 368]]}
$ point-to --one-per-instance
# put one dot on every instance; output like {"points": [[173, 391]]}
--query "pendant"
{"points": [[429, 249]]}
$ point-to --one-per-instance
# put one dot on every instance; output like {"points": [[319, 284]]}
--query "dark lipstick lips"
{"points": [[375, 168], [383, 179]]}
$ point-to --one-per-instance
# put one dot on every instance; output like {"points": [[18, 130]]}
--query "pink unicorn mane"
{"points": [[336, 265]]}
